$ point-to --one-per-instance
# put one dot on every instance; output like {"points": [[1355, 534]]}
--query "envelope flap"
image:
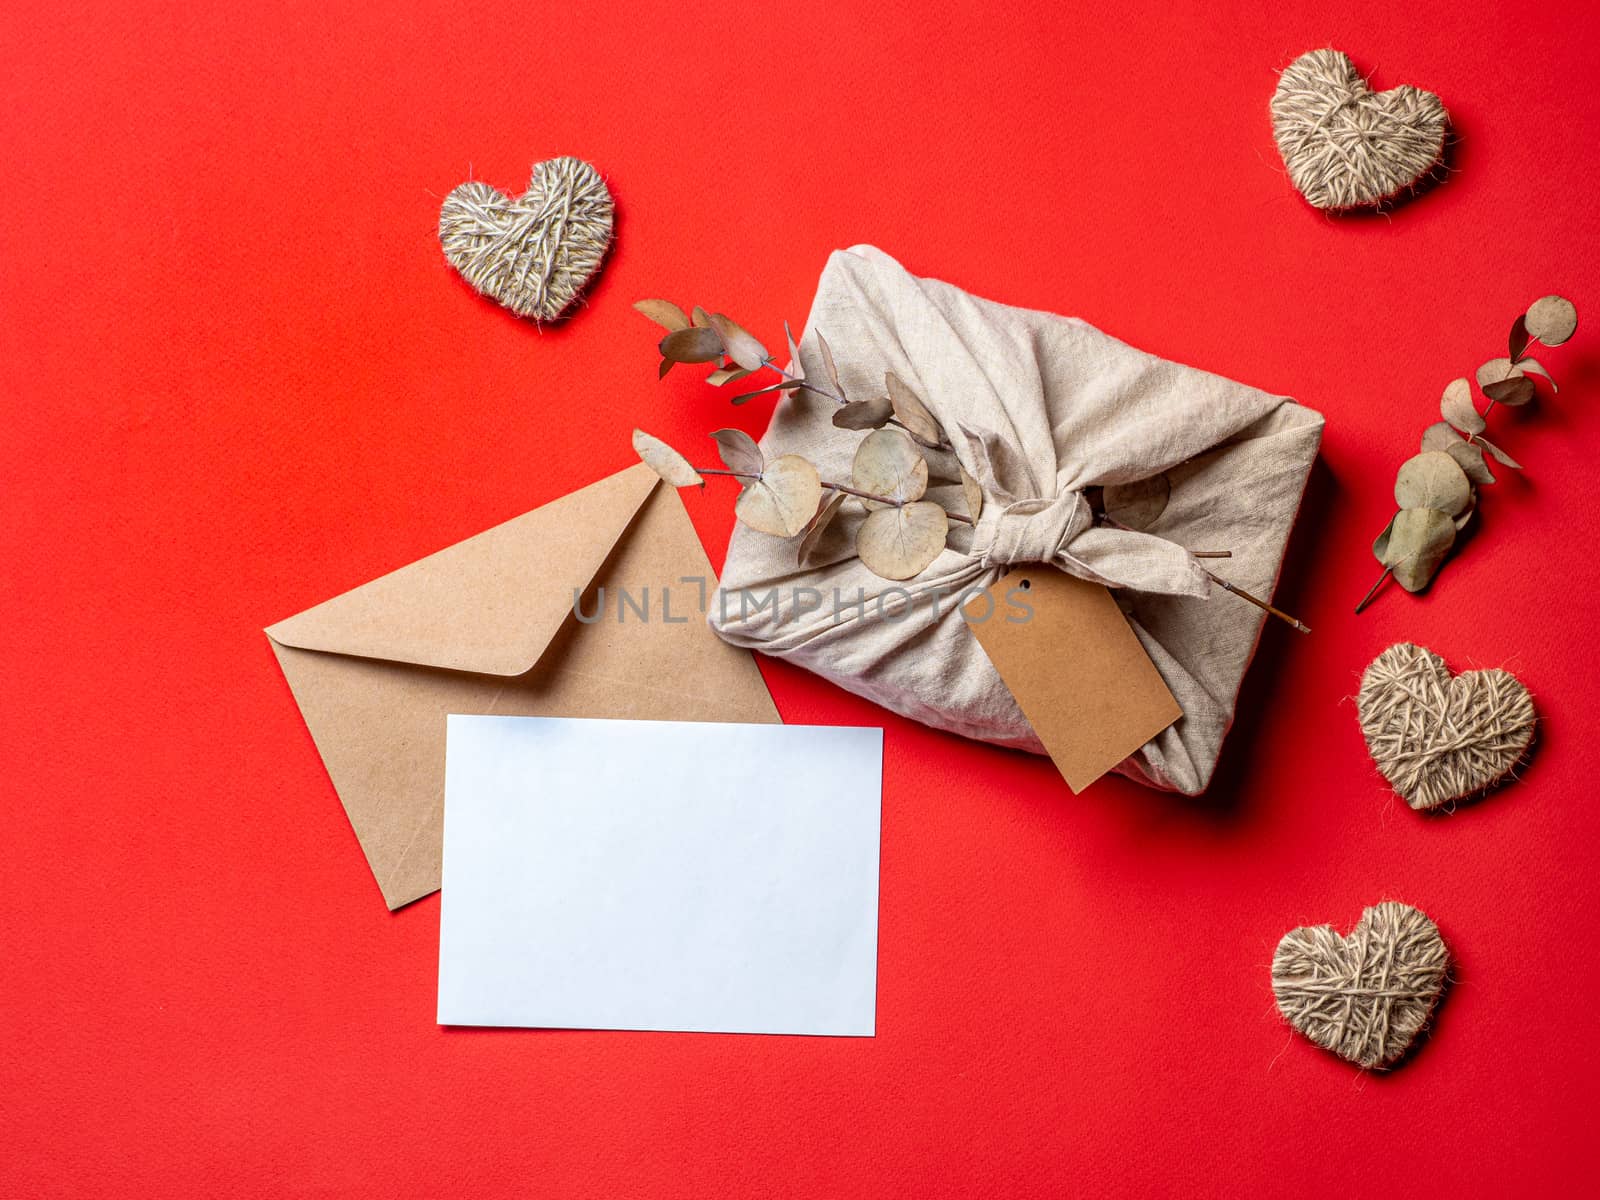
{"points": [[490, 604]]}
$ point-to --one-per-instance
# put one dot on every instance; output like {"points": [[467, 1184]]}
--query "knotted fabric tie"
{"points": [[1037, 530], [1062, 532]]}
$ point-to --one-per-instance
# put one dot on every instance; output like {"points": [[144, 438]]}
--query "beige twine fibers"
{"points": [[534, 254], [1366, 996], [1347, 146], [1438, 738]]}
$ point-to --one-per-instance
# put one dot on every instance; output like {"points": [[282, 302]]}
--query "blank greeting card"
{"points": [[666, 875]]}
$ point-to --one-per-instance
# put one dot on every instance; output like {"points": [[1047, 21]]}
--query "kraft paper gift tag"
{"points": [[1076, 668]]}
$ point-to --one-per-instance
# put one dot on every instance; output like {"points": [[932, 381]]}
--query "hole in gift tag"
{"points": [[1025, 584]]}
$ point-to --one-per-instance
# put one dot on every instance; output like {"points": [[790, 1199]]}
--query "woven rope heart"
{"points": [[1347, 146], [536, 253], [1366, 996], [1439, 738]]}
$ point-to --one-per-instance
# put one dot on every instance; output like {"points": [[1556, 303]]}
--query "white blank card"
{"points": [[660, 875]]}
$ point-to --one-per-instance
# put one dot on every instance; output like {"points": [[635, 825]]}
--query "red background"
{"points": [[238, 378]]}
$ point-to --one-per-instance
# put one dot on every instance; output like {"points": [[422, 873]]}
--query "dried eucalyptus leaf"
{"points": [[694, 345], [739, 345], [864, 414], [1495, 370], [911, 412], [1380, 544], [1137, 504], [664, 313], [1518, 341], [1499, 455], [794, 347], [1440, 436], [666, 365], [827, 365], [1552, 320], [897, 543], [664, 460], [1419, 539], [819, 526], [700, 318], [888, 463], [829, 495], [739, 451], [783, 499], [1534, 366], [724, 375], [1465, 519], [783, 385], [972, 492], [1456, 406], [1513, 392], [1433, 480]]}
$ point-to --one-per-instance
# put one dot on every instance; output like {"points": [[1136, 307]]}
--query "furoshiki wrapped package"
{"points": [[1037, 409]]}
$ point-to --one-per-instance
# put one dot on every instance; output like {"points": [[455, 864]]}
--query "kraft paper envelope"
{"points": [[488, 627]]}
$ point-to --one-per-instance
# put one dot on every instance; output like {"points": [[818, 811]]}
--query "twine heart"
{"points": [[1438, 738], [536, 253], [1366, 996], [1347, 146]]}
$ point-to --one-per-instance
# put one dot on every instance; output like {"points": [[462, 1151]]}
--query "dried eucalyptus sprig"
{"points": [[1437, 489], [787, 497], [700, 336], [903, 532]]}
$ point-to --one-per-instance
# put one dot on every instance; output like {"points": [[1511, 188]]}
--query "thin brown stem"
{"points": [[1261, 604], [809, 386], [1220, 582], [1373, 590]]}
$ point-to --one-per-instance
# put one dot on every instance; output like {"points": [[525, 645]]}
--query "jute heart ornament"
{"points": [[1437, 737], [1347, 146], [534, 254], [1365, 996]]}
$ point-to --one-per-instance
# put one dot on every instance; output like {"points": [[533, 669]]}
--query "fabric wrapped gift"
{"points": [[1038, 408]]}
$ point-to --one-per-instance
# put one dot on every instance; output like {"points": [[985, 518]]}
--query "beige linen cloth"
{"points": [[1037, 407]]}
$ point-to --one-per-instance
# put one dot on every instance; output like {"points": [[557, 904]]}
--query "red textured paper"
{"points": [[238, 378]]}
